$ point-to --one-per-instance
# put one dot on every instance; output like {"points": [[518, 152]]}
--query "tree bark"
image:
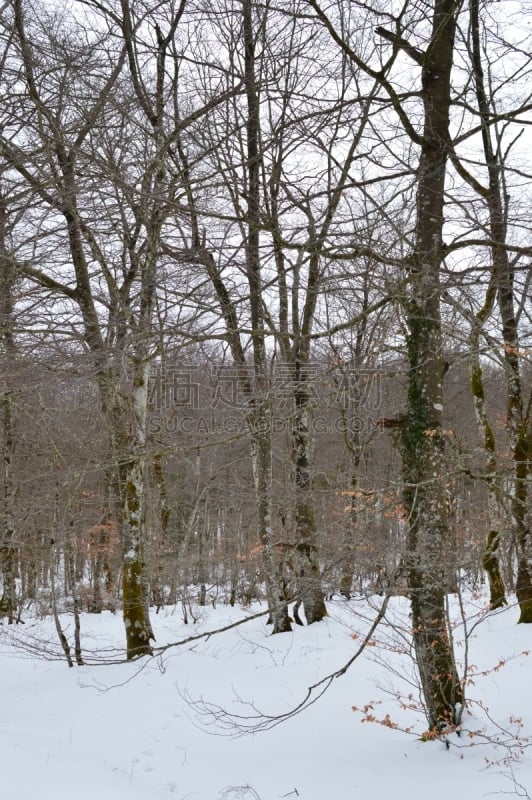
{"points": [[308, 578], [7, 353], [423, 440], [490, 560], [127, 416]]}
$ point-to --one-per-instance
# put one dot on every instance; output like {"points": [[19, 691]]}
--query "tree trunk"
{"points": [[130, 457], [7, 350], [260, 415], [260, 423], [521, 461], [7, 542], [490, 560], [423, 440], [134, 606], [308, 578]]}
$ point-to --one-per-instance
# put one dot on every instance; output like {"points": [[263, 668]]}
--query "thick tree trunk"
{"points": [[126, 413], [423, 440], [428, 536], [308, 578], [490, 562], [523, 586], [139, 632], [134, 591]]}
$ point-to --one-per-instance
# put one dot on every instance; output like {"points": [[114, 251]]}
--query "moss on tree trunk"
{"points": [[308, 578], [490, 562], [423, 438], [137, 626]]}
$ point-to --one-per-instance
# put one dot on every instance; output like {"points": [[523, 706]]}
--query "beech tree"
{"points": [[422, 435], [502, 290], [252, 378], [423, 438], [485, 196], [272, 183], [97, 137], [52, 165], [8, 279], [289, 224]]}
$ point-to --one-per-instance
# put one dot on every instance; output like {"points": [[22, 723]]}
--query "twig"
{"points": [[258, 722]]}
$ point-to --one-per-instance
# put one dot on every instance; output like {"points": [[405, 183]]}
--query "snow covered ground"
{"points": [[169, 727]]}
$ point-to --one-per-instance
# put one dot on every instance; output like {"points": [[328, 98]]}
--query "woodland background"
{"points": [[265, 319]]}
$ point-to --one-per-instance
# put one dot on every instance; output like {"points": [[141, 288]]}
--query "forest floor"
{"points": [[187, 723]]}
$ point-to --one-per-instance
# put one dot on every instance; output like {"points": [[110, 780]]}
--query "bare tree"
{"points": [[96, 163], [8, 278], [423, 437], [502, 289]]}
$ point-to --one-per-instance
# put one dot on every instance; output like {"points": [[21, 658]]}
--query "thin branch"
{"points": [[240, 725]]}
